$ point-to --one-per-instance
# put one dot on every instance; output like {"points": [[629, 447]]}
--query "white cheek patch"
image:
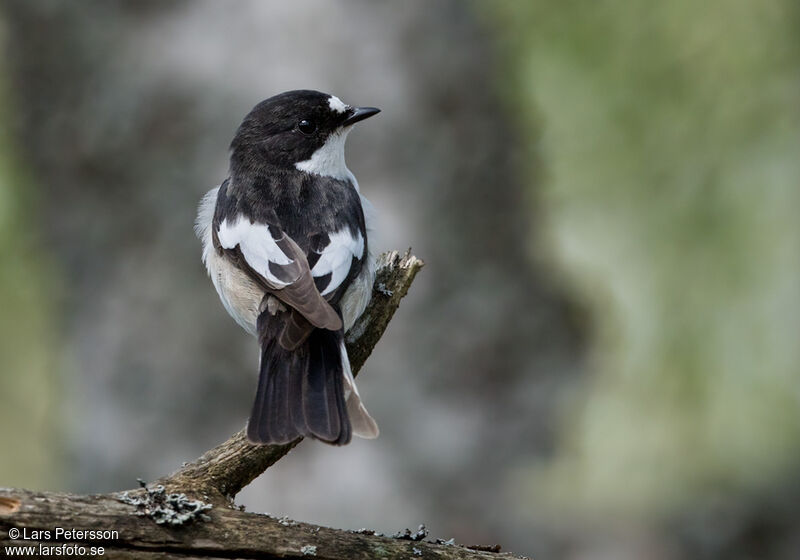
{"points": [[328, 161], [256, 244], [336, 104]]}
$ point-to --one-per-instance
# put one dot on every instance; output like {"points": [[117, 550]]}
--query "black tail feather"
{"points": [[300, 391], [278, 427], [295, 399]]}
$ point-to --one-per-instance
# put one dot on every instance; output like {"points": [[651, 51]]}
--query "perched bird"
{"points": [[286, 243]]}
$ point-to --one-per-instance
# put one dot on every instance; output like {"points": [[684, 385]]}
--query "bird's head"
{"points": [[300, 129]]}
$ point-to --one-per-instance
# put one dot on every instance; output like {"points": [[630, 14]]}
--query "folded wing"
{"points": [[276, 262], [332, 257]]}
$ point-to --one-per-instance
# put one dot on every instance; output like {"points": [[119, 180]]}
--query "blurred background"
{"points": [[601, 358]]}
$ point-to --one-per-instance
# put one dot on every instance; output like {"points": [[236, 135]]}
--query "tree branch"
{"points": [[229, 533], [190, 514], [232, 465]]}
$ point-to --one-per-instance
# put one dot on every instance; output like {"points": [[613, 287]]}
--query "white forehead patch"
{"points": [[337, 104]]}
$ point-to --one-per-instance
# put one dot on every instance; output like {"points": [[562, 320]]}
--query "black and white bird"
{"points": [[286, 243]]}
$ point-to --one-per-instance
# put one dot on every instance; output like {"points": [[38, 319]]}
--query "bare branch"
{"points": [[229, 533], [232, 465], [189, 514]]}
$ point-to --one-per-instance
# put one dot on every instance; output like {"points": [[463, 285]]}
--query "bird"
{"points": [[285, 239]]}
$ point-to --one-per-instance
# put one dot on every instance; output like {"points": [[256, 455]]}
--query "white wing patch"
{"points": [[257, 246], [337, 257]]}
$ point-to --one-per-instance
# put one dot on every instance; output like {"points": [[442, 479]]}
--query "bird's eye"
{"points": [[307, 127]]}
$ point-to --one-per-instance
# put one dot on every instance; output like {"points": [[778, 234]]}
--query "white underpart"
{"points": [[328, 160], [257, 246], [202, 225], [239, 294], [337, 257], [337, 104], [370, 214], [357, 296]]}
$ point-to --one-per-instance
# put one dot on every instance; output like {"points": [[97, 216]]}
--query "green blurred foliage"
{"points": [[669, 137], [28, 390]]}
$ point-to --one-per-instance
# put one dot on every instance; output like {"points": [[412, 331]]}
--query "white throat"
{"points": [[328, 160]]}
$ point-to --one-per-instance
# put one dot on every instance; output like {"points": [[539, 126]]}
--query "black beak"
{"points": [[359, 114]]}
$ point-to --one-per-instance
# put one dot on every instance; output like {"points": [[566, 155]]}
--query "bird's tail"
{"points": [[307, 391]]}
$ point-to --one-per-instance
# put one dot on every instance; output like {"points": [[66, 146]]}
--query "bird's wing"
{"points": [[333, 255], [273, 259]]}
